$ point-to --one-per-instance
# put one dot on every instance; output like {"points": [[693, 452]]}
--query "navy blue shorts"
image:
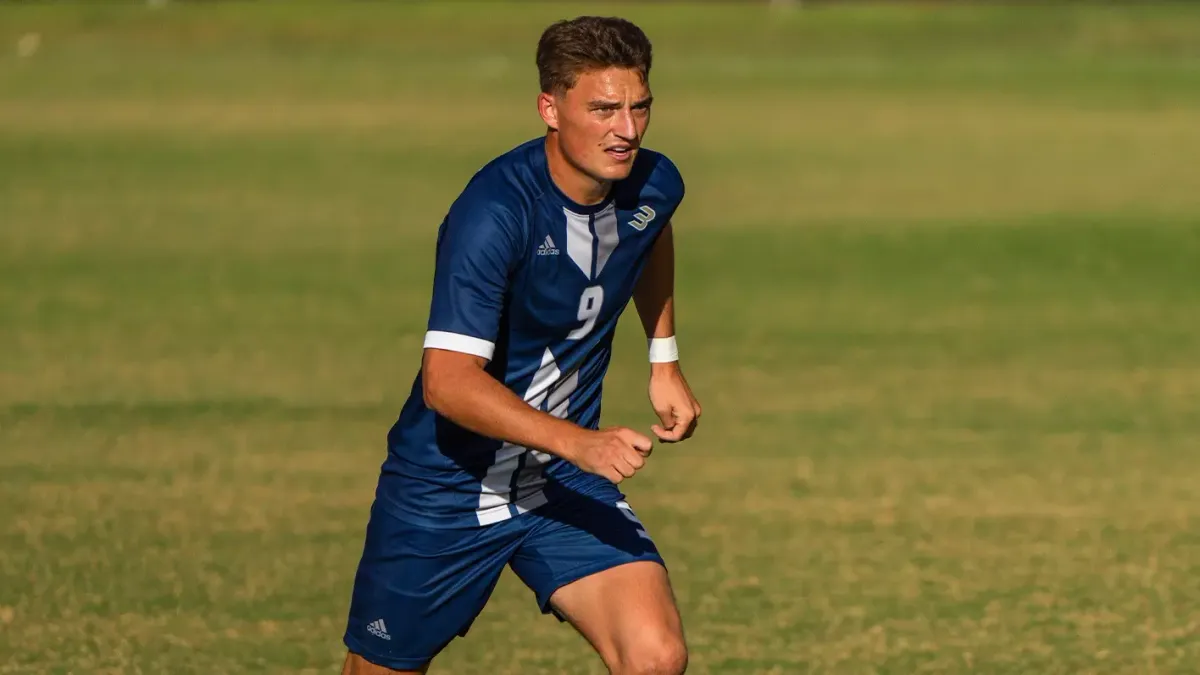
{"points": [[417, 588]]}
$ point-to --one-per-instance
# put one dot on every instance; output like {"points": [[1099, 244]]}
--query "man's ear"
{"points": [[548, 109]]}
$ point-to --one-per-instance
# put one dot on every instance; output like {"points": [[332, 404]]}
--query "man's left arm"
{"points": [[654, 297]]}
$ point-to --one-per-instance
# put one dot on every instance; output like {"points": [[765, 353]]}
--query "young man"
{"points": [[497, 457]]}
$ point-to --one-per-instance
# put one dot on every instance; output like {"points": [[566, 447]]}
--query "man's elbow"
{"points": [[433, 390], [443, 375]]}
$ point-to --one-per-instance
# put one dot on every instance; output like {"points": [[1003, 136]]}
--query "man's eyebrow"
{"points": [[601, 104]]}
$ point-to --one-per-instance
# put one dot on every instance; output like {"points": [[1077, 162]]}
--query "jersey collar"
{"points": [[567, 202]]}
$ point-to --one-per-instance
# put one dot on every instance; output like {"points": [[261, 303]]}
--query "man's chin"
{"points": [[614, 171]]}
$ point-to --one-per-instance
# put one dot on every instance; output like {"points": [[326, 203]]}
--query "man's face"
{"points": [[601, 122]]}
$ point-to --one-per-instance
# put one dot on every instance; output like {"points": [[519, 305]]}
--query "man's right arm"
{"points": [[478, 247], [457, 387]]}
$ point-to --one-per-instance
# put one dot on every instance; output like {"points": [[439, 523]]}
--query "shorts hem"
{"points": [[543, 599], [357, 648]]}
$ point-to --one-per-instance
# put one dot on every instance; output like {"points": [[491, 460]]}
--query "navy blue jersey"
{"points": [[535, 283]]}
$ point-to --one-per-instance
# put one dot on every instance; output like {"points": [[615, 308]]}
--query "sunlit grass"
{"points": [[938, 293]]}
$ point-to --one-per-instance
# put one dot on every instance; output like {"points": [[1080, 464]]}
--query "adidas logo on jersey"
{"points": [[547, 247], [378, 629]]}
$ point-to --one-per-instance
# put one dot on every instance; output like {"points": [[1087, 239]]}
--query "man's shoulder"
{"points": [[663, 171], [506, 184], [655, 176]]}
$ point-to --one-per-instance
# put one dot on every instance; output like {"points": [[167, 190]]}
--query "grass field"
{"points": [[939, 276]]}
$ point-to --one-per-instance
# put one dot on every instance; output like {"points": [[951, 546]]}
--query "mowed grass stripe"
{"points": [[839, 523], [829, 157], [1115, 54], [1076, 296]]}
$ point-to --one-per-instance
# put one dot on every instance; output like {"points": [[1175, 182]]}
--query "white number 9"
{"points": [[589, 309]]}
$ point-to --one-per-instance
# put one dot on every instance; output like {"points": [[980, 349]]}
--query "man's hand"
{"points": [[674, 403], [615, 453]]}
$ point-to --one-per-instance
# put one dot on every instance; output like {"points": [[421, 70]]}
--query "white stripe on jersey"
{"points": [[456, 342], [606, 232], [497, 485], [579, 241], [496, 489]]}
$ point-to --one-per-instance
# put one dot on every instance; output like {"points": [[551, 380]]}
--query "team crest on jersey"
{"points": [[642, 218]]}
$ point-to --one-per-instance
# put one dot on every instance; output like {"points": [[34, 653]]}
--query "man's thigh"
{"points": [[357, 665], [591, 562], [628, 614], [417, 588]]}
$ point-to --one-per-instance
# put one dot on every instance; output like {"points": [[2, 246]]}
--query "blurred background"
{"points": [[939, 294]]}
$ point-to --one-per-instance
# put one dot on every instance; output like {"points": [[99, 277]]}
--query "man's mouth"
{"points": [[620, 153]]}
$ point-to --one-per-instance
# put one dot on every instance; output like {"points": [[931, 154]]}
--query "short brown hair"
{"points": [[570, 47]]}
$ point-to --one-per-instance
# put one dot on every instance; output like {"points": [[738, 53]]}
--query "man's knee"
{"points": [[659, 657]]}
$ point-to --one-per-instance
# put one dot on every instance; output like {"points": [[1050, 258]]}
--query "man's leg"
{"points": [[418, 588], [357, 665], [590, 560], [629, 616]]}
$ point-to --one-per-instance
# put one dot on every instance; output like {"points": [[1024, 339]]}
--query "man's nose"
{"points": [[624, 127]]}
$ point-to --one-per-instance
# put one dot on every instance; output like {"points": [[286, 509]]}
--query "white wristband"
{"points": [[663, 350]]}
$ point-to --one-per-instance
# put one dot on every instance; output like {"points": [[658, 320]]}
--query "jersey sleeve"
{"points": [[671, 182], [663, 186], [478, 248]]}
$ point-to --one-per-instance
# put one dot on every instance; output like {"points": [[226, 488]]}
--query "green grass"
{"points": [[938, 294]]}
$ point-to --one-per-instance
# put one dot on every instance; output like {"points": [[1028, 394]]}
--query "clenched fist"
{"points": [[615, 453], [674, 403]]}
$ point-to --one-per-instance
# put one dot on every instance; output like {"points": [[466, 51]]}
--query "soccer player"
{"points": [[497, 457]]}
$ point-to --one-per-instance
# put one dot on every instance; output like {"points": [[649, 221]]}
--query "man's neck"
{"points": [[575, 184]]}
